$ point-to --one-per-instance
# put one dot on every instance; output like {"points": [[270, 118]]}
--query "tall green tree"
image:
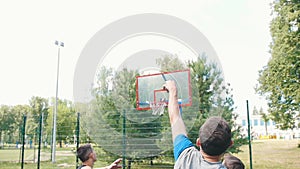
{"points": [[211, 96], [19, 111], [265, 118], [279, 80], [6, 121], [170, 63], [38, 106], [65, 121], [111, 102], [214, 97]]}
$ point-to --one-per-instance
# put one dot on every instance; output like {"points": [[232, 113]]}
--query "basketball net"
{"points": [[158, 108]]}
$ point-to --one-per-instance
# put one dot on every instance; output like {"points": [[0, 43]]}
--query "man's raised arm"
{"points": [[176, 121]]}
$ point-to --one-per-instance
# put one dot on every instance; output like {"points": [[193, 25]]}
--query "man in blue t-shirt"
{"points": [[214, 138]]}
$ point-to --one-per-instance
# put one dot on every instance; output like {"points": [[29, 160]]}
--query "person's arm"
{"points": [[173, 107], [179, 134], [176, 121], [114, 165]]}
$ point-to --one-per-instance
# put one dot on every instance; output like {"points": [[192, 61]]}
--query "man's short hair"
{"points": [[84, 151], [215, 136]]}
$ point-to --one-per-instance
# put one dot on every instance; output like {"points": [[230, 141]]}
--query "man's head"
{"points": [[214, 136], [86, 152], [232, 162]]}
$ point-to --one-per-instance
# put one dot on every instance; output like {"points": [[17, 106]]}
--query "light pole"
{"points": [[59, 44]]}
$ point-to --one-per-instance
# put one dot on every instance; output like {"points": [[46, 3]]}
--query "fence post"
{"points": [[23, 140], [124, 139], [249, 135], [33, 142], [40, 140], [77, 136]]}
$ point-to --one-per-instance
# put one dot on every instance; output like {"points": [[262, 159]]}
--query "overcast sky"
{"points": [[237, 29]]}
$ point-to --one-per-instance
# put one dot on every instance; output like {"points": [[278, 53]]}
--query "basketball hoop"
{"points": [[158, 108], [149, 89]]}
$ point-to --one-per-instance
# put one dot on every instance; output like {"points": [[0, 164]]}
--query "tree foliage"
{"points": [[38, 106], [115, 110], [18, 113], [65, 121], [7, 119], [214, 98], [279, 80], [265, 118], [12, 120]]}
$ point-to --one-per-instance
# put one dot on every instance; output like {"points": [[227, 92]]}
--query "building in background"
{"points": [[266, 130]]}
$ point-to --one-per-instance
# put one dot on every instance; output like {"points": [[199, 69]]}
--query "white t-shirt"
{"points": [[84, 167]]}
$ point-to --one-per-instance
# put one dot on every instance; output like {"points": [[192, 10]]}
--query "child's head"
{"points": [[232, 162]]}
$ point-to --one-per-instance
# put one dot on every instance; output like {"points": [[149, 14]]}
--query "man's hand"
{"points": [[173, 107], [170, 86], [115, 164]]}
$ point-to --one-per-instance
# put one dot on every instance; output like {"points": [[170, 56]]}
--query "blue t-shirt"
{"points": [[181, 143]]}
